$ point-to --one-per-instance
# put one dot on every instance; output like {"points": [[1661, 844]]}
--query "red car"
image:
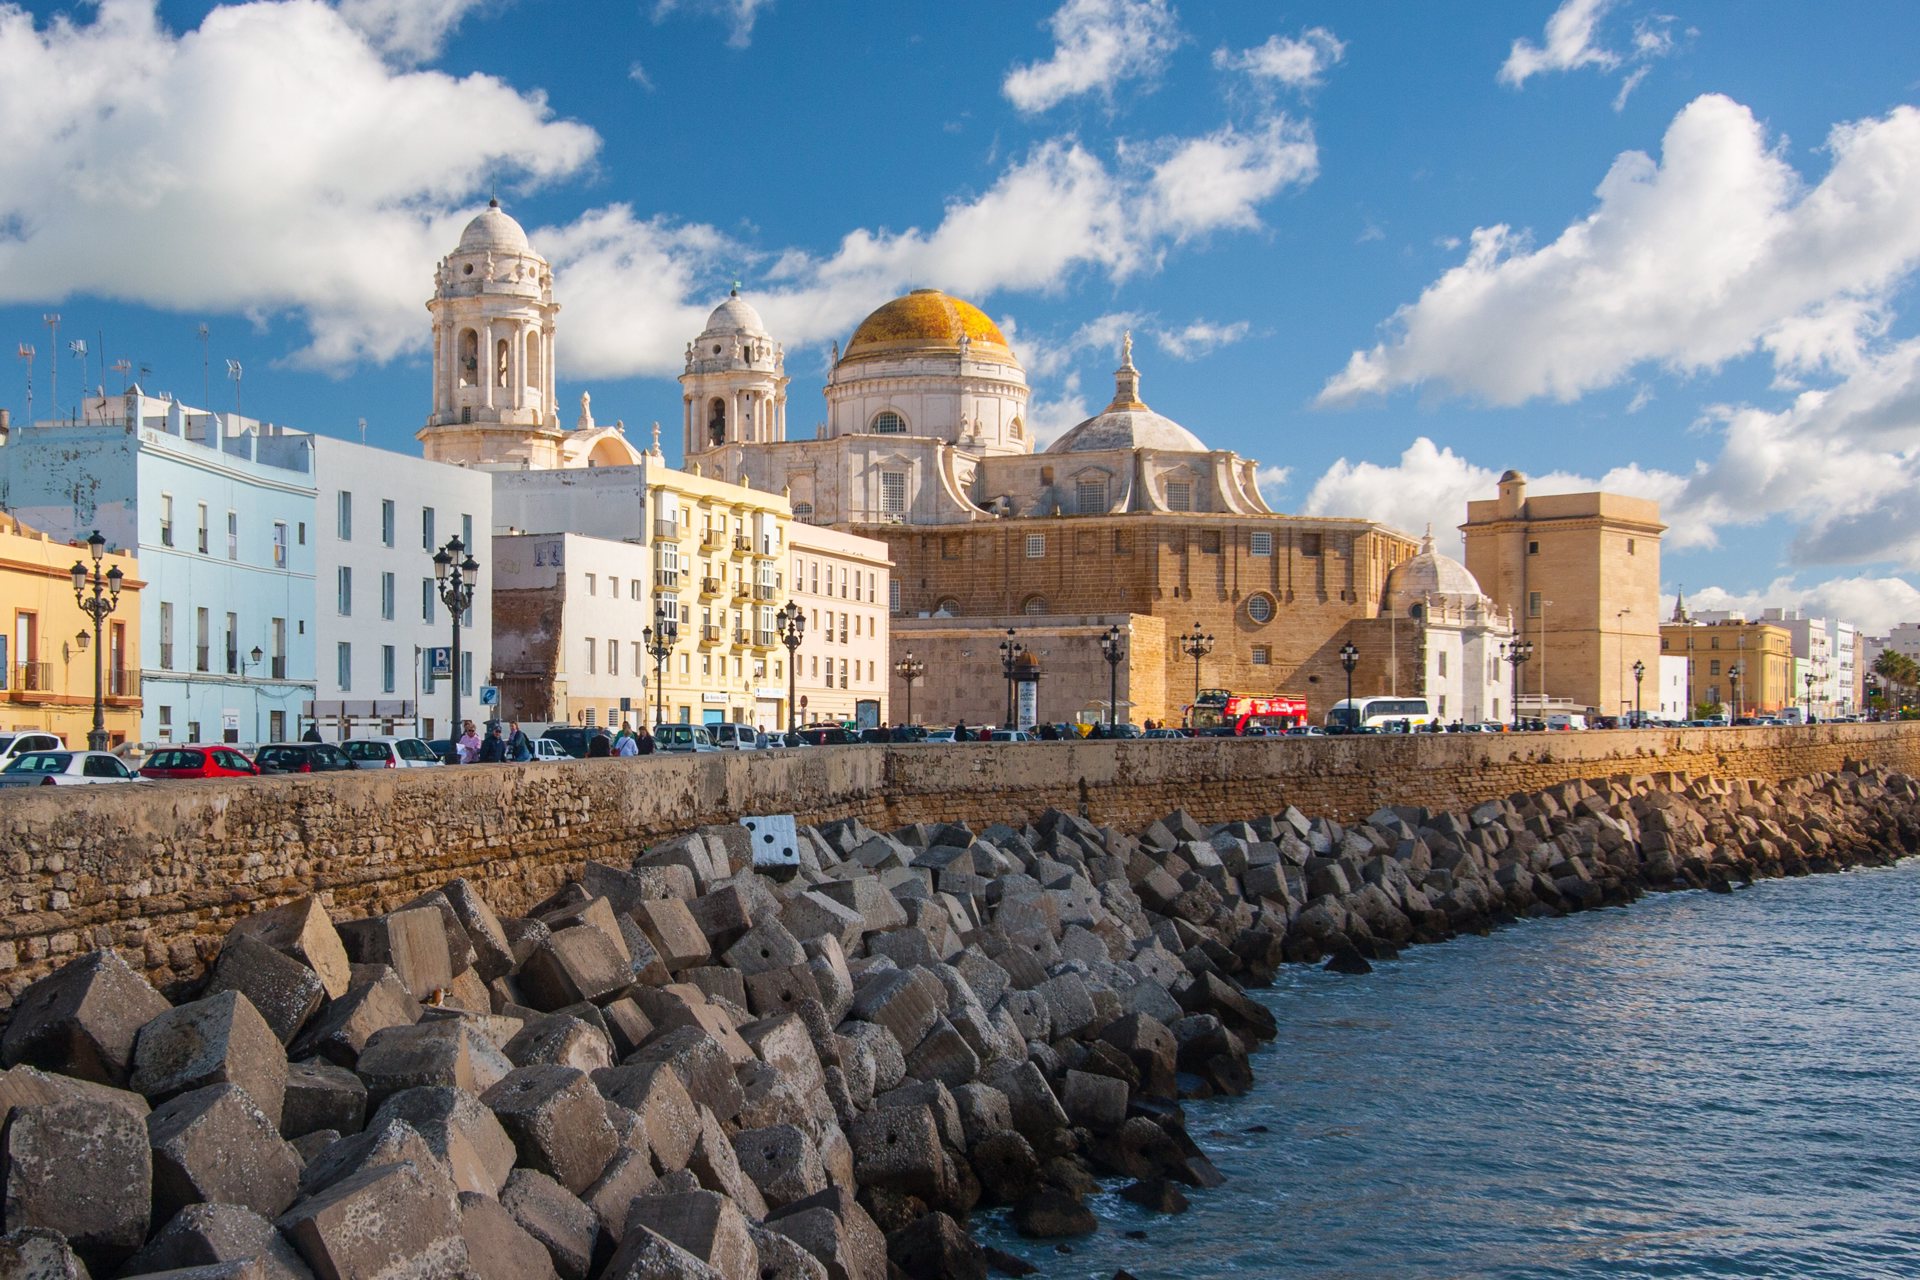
{"points": [[198, 762]]}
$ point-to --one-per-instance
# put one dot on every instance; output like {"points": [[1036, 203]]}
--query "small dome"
{"points": [[1126, 422], [494, 231], [928, 320], [1428, 575], [736, 315], [1511, 476]]}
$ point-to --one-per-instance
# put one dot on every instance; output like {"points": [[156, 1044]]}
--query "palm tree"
{"points": [[1899, 676]]}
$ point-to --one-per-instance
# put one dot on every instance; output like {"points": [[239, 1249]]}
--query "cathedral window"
{"points": [[1260, 608], [1179, 495], [469, 358], [803, 511], [1090, 496], [889, 423], [1036, 546], [1261, 544], [893, 493], [1035, 606], [950, 607], [717, 421], [1262, 655]]}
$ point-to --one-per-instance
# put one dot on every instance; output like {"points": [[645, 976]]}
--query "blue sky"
{"points": [[1388, 250]]}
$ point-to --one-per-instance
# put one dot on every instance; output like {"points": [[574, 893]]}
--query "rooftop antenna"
{"points": [[363, 431], [206, 375], [52, 320], [26, 353], [79, 348], [233, 371], [123, 367]]}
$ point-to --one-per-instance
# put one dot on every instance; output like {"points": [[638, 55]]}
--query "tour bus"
{"points": [[1220, 712], [1386, 714]]}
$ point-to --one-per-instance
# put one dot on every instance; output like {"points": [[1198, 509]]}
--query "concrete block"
{"points": [[459, 1130], [889, 1061], [573, 964], [81, 1019], [1036, 1111], [866, 896], [703, 1065], [714, 1163], [627, 1177], [375, 1001], [765, 947], [783, 1258], [554, 1216], [627, 1025], [983, 1110], [301, 929], [898, 1149], [782, 1162], [1070, 1006], [777, 991], [460, 950], [724, 913], [905, 1002], [676, 936], [411, 941], [214, 1146], [492, 954], [813, 914], [562, 1040], [558, 1122], [597, 912], [943, 1055], [449, 1053], [837, 1231], [285, 991], [389, 1142], [653, 1091], [1097, 1102], [389, 1221], [320, 1095], [85, 1171], [203, 1235], [34, 1253], [28, 1086], [704, 1224], [645, 1255], [498, 1248], [219, 1040]]}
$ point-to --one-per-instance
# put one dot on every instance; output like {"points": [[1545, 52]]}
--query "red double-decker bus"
{"points": [[1220, 712]]}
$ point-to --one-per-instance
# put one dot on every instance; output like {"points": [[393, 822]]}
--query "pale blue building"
{"points": [[220, 511]]}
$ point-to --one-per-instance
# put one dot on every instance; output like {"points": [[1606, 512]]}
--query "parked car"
{"points": [[548, 749], [13, 745], [572, 738], [441, 748], [827, 735], [301, 757], [1011, 735], [1297, 731], [385, 751], [1165, 733], [217, 761], [682, 738], [939, 737], [728, 736], [65, 768]]}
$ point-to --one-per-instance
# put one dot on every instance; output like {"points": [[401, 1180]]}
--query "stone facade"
{"points": [[160, 872], [965, 679]]}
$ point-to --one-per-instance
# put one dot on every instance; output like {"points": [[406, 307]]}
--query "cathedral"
{"points": [[1127, 525]]}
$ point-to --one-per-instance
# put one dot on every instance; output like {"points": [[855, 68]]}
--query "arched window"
{"points": [[803, 511], [533, 359], [1260, 607], [500, 361], [1034, 606], [717, 421], [469, 358], [949, 606], [889, 423]]}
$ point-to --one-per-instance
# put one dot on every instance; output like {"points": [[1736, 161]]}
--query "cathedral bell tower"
{"points": [[734, 389], [493, 381]]}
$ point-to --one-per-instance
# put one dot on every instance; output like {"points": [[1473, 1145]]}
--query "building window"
{"points": [[279, 544], [345, 518], [1629, 546], [386, 668], [1441, 667], [426, 529], [346, 591], [1122, 542], [893, 596], [1034, 606], [166, 724], [166, 635], [300, 533], [426, 599], [593, 656], [889, 423], [1036, 546], [1533, 548], [1260, 544], [1210, 542], [1090, 497], [386, 522], [593, 581], [1309, 544], [386, 597], [200, 656], [1533, 604], [1713, 668], [843, 582], [201, 541], [1260, 608], [893, 493], [613, 586], [466, 531], [344, 660], [1262, 655], [633, 588], [1179, 495], [613, 657], [233, 535], [166, 519], [466, 673], [233, 645]]}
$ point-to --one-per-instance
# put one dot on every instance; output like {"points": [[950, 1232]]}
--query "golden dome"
{"points": [[928, 320]]}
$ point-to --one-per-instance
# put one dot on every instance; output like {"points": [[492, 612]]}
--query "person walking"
{"points": [[519, 745], [599, 746], [643, 742], [626, 744], [493, 749], [468, 743], [960, 733]]}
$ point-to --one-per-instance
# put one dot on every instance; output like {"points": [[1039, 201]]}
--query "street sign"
{"points": [[440, 661], [489, 695], [230, 719]]}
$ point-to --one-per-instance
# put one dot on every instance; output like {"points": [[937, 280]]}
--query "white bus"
{"points": [[1386, 714]]}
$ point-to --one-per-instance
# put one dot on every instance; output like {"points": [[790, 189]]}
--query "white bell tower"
{"points": [[493, 379], [734, 389]]}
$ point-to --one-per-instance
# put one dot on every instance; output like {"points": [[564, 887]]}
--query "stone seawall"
{"points": [[162, 871]]}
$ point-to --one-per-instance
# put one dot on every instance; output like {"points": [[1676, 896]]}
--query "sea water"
{"points": [[1696, 1085]]}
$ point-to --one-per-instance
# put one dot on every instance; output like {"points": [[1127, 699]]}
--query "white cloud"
{"points": [[1271, 481], [1043, 357], [270, 159], [1874, 605], [1717, 249], [1097, 44], [1207, 183], [407, 31], [1049, 419], [1284, 60], [1200, 338], [739, 15], [1628, 85], [1569, 44], [638, 74]]}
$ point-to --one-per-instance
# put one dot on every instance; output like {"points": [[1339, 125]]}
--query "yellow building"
{"points": [[46, 655], [1761, 654]]}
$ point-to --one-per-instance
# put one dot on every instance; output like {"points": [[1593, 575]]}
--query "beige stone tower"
{"points": [[1581, 574], [734, 388], [493, 377]]}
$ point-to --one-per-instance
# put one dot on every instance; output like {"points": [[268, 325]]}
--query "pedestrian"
{"points": [[599, 746], [960, 733], [519, 745], [643, 742], [626, 744], [1048, 733], [493, 750], [468, 744]]}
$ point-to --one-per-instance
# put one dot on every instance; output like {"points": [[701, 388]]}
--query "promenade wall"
{"points": [[162, 871]]}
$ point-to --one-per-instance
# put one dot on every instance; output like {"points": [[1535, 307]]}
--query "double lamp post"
{"points": [[97, 604]]}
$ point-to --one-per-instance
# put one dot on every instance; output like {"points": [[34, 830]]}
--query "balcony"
{"points": [[667, 529], [710, 587], [711, 540], [743, 636], [742, 544], [123, 683], [32, 681], [280, 668], [233, 662], [765, 591], [742, 591], [709, 635], [166, 656], [667, 579], [764, 639]]}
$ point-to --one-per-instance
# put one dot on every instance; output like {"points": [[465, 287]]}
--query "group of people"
{"points": [[624, 743], [495, 747]]}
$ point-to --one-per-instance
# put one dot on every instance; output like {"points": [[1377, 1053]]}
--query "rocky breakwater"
{"points": [[687, 1066]]}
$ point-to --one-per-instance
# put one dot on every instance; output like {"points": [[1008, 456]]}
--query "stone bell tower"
{"points": [[493, 378], [734, 387]]}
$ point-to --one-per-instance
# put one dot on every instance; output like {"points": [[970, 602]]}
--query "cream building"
{"points": [[46, 651], [842, 582]]}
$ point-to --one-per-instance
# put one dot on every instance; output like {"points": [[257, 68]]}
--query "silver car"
{"points": [[65, 769], [385, 751], [734, 737], [681, 737]]}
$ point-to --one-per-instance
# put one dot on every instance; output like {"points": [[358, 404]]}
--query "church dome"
{"points": [[736, 315], [1127, 423], [494, 231], [928, 320], [1429, 575]]}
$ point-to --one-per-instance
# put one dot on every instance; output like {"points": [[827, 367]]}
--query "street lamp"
{"points": [[1734, 673], [1115, 652], [909, 669], [1807, 720], [791, 624], [1010, 650], [105, 598], [1872, 686], [456, 571], [1517, 653], [1350, 658], [1639, 674], [1196, 646], [659, 640]]}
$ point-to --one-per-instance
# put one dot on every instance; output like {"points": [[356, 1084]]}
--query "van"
{"points": [[1561, 720], [681, 737], [734, 737]]}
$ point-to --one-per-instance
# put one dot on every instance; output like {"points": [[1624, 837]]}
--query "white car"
{"points": [[13, 745], [735, 737], [1011, 735], [65, 769], [386, 751], [548, 749]]}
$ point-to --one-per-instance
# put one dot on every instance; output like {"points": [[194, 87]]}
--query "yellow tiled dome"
{"points": [[928, 320]]}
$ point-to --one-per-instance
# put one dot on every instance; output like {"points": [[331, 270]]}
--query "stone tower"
{"points": [[734, 389], [493, 378]]}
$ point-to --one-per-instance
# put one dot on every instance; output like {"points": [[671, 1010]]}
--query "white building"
{"points": [[843, 582], [1459, 633], [1670, 701], [381, 517], [570, 613]]}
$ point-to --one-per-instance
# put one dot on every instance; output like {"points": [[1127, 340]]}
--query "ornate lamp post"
{"points": [[1734, 673], [1115, 653], [1516, 653], [791, 624], [1640, 673], [103, 600], [659, 640], [1010, 650], [1349, 659], [1196, 646], [1872, 686], [456, 571], [909, 669]]}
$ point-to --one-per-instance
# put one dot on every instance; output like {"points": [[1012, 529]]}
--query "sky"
{"points": [[1388, 250]]}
